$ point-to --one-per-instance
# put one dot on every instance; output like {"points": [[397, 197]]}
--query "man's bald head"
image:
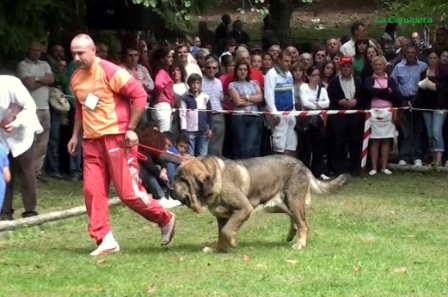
{"points": [[83, 50], [83, 39]]}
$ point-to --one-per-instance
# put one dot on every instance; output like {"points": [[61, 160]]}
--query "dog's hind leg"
{"points": [[297, 207], [292, 230]]}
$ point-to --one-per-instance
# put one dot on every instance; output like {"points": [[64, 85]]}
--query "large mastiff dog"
{"points": [[233, 190]]}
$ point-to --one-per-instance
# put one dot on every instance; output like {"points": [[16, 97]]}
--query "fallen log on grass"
{"points": [[48, 217], [426, 168]]}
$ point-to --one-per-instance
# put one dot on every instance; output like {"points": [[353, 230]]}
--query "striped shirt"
{"points": [[192, 118], [279, 90], [213, 88], [115, 88]]}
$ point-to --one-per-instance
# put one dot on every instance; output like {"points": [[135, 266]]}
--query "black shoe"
{"points": [[6, 217], [28, 214], [41, 179], [55, 176]]}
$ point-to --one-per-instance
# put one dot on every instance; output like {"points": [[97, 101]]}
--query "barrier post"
{"points": [[365, 139]]}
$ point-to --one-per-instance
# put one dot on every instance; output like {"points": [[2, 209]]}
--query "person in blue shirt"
{"points": [[5, 174], [180, 149]]}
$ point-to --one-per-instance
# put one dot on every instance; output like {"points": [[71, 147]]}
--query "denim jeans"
{"points": [[198, 143], [410, 137], [171, 170], [247, 131], [434, 125], [151, 184], [52, 158]]}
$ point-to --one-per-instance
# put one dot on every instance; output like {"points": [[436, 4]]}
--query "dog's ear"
{"points": [[205, 182]]}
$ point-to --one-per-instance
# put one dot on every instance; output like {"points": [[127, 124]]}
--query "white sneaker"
{"points": [[169, 202], [174, 202], [418, 163], [108, 245], [372, 172], [168, 231], [324, 177], [402, 162], [386, 171]]}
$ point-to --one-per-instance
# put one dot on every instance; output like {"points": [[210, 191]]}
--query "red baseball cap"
{"points": [[346, 60]]}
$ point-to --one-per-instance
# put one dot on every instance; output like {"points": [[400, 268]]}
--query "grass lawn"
{"points": [[382, 236]]}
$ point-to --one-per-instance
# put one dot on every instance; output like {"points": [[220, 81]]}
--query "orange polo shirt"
{"points": [[116, 90]]}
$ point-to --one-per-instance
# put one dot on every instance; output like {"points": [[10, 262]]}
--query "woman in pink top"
{"points": [[381, 92], [163, 99]]}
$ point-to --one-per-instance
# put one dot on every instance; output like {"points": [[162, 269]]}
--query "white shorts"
{"points": [[162, 115], [284, 137]]}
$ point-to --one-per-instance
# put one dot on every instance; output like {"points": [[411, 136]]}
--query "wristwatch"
{"points": [[36, 78], [247, 98]]}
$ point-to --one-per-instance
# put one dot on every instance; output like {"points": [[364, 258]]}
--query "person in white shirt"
{"points": [[190, 68], [279, 96], [37, 76], [17, 136], [313, 96], [359, 32]]}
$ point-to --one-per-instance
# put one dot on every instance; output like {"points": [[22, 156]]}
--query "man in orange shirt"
{"points": [[109, 105]]}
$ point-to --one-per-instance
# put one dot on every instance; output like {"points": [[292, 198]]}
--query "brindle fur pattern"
{"points": [[233, 190]]}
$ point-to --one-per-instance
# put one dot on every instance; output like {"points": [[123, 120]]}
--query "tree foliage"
{"points": [[24, 20]]}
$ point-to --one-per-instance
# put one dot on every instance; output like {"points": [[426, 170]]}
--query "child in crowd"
{"points": [[5, 174], [180, 149], [196, 120]]}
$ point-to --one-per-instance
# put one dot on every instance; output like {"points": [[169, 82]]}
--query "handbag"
{"points": [[310, 122]]}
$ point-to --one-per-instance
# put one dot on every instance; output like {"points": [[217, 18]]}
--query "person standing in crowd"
{"points": [[37, 76], [407, 75], [434, 116], [345, 92], [313, 96], [17, 137], [381, 95], [103, 89], [163, 99], [279, 96], [246, 95], [212, 86]]}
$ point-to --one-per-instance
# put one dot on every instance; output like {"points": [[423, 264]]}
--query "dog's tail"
{"points": [[326, 187]]}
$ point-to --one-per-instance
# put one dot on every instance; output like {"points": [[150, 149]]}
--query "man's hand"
{"points": [[163, 175], [29, 81], [131, 138], [10, 127], [209, 133], [71, 146], [353, 102], [344, 103], [276, 120]]}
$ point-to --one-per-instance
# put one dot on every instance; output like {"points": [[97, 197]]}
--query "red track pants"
{"points": [[107, 159]]}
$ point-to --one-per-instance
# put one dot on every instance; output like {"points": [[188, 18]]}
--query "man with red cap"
{"points": [[345, 92]]}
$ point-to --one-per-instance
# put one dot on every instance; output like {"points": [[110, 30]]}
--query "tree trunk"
{"points": [[281, 12]]}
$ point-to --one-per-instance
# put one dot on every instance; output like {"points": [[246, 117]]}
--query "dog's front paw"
{"points": [[233, 242], [299, 245], [209, 250]]}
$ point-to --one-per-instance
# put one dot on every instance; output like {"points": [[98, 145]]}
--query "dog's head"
{"points": [[197, 181]]}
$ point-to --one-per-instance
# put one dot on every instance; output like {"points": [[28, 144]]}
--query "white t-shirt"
{"points": [[308, 96]]}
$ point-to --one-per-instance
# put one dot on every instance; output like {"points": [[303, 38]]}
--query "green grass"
{"points": [[382, 236]]}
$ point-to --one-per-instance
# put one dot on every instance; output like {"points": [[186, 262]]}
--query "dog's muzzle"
{"points": [[183, 198]]}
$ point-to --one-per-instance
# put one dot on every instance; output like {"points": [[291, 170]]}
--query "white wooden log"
{"points": [[426, 168], [48, 217]]}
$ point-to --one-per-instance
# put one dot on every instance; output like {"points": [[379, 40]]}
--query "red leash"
{"points": [[142, 157]]}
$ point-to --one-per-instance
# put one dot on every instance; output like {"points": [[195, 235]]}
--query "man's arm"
{"points": [[269, 91], [123, 83], [148, 82]]}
